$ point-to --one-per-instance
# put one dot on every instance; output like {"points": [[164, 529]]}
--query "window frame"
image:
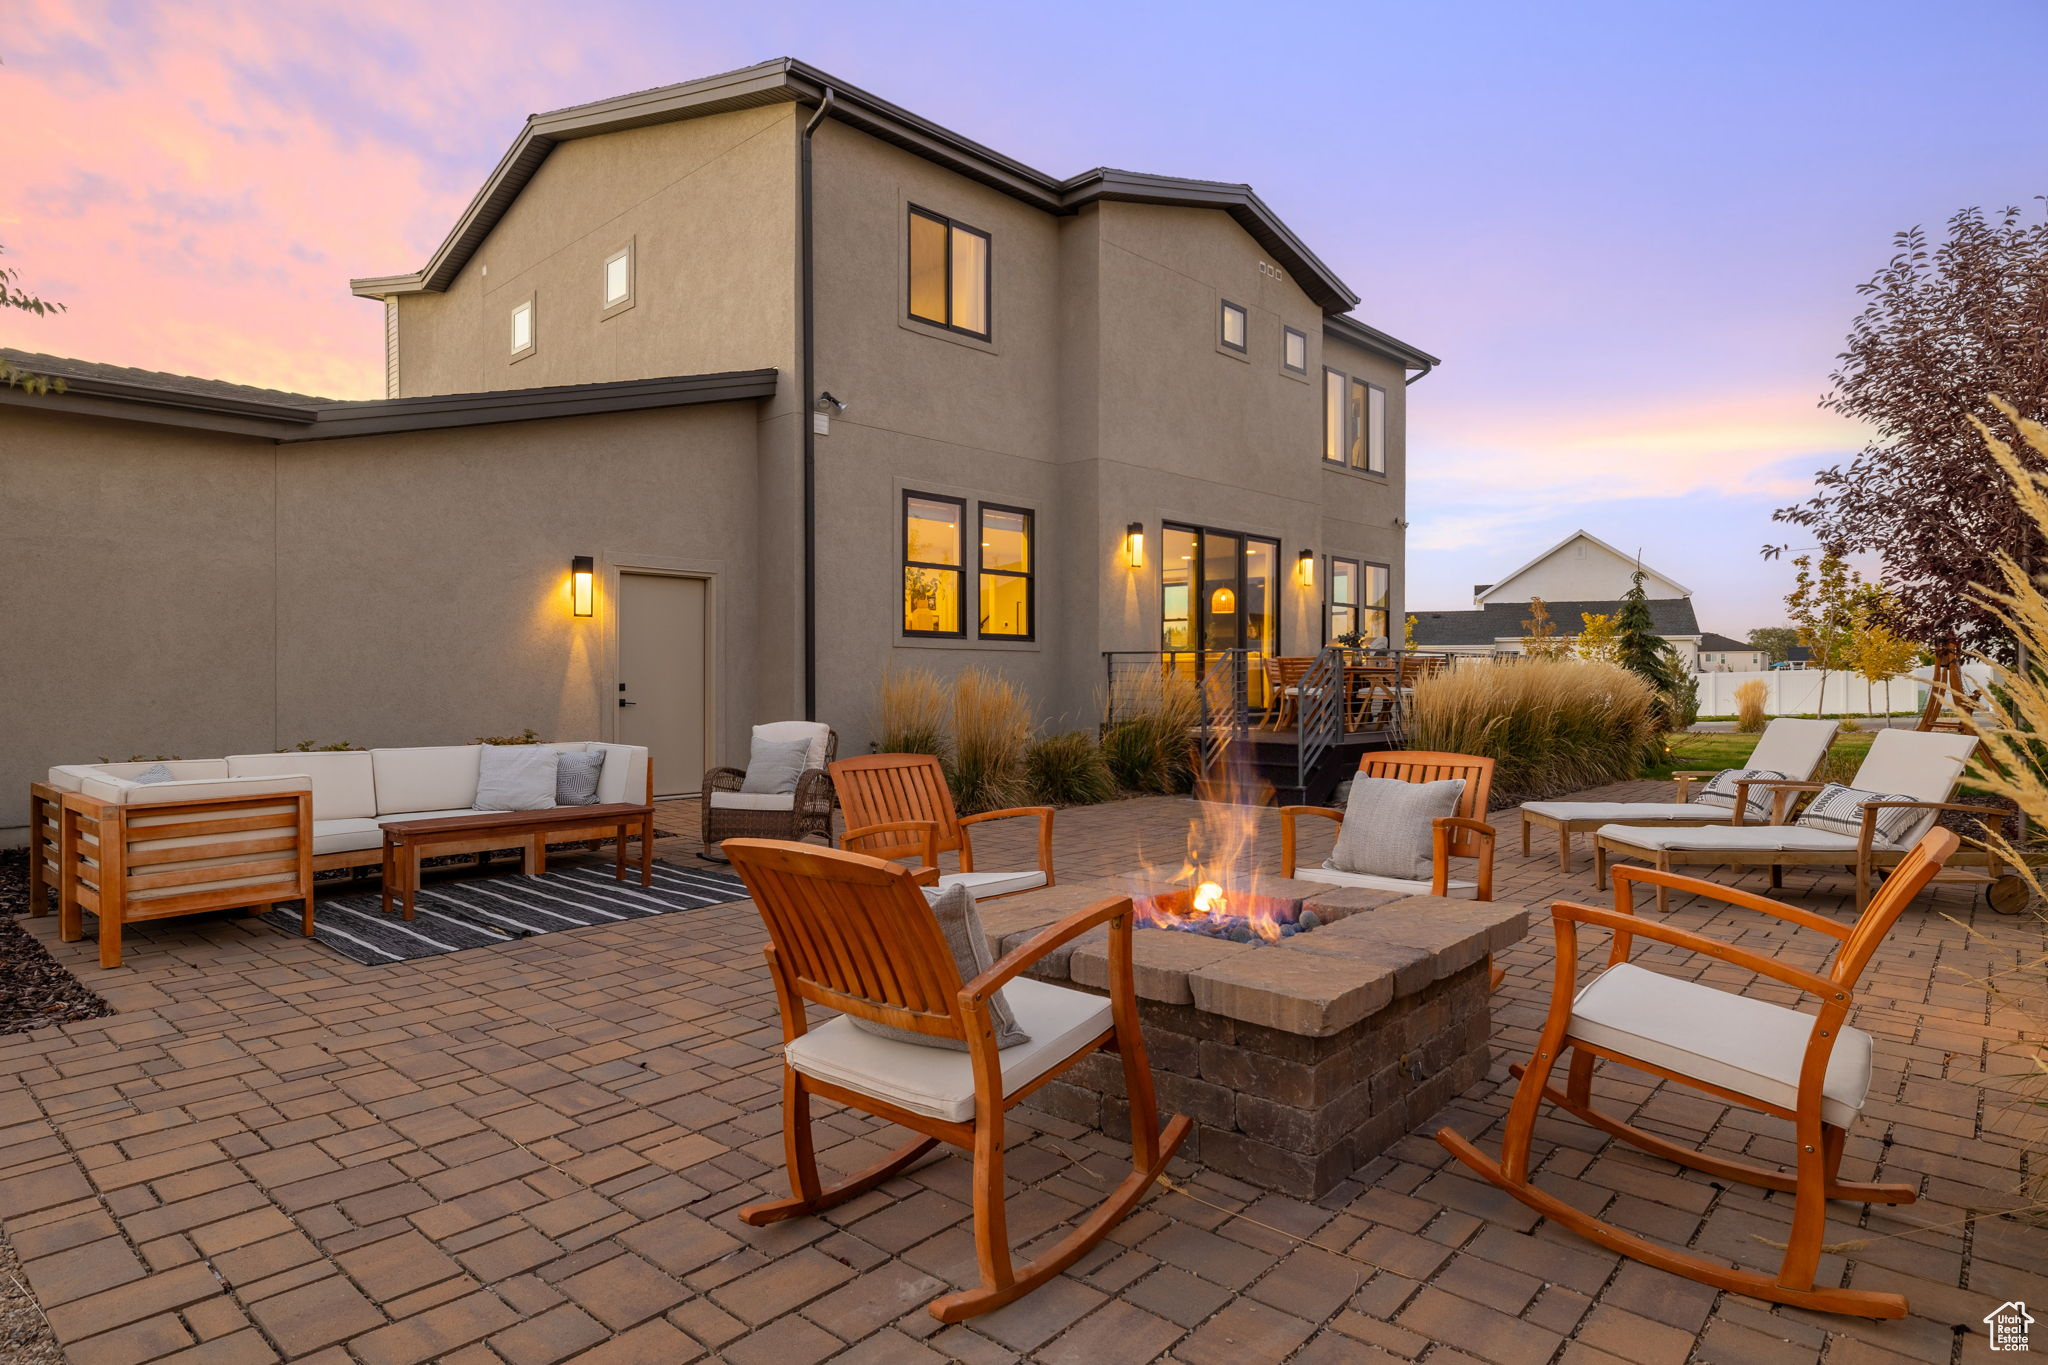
{"points": [[1334, 442], [1225, 309], [906, 563], [609, 309], [988, 274], [1029, 574], [1368, 432], [1375, 428], [1330, 603], [525, 305], [1290, 334], [1385, 606]]}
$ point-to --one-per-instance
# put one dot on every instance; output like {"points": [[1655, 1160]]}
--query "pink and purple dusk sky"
{"points": [[1633, 231]]}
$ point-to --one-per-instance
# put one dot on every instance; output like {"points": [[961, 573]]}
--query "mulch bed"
{"points": [[36, 991]]}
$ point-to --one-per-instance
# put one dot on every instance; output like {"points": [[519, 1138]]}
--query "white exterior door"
{"points": [[661, 686]]}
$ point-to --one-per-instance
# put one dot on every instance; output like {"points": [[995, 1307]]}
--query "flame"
{"points": [[1209, 899], [1221, 852]]}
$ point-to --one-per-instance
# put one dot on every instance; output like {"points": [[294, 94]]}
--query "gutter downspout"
{"points": [[810, 427], [1424, 375]]}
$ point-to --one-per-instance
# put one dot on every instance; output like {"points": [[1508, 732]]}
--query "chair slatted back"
{"points": [[880, 789], [853, 933], [1906, 881], [1424, 765]]}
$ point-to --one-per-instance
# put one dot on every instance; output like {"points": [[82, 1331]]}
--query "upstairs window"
{"points": [[932, 565], [949, 274], [1375, 429], [522, 329], [1354, 422], [1235, 326], [617, 291], [1333, 416], [1294, 350], [1006, 571]]}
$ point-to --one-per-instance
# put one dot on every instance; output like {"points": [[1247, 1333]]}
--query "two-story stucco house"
{"points": [[816, 387]]}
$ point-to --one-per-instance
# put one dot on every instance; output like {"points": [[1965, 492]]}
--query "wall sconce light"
{"points": [[1134, 545], [582, 586], [1305, 568]]}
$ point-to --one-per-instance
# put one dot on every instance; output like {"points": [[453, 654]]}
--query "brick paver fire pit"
{"points": [[1299, 1060]]}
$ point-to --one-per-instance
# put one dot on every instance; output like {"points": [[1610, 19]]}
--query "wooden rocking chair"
{"points": [[1810, 1069], [855, 934], [899, 806]]}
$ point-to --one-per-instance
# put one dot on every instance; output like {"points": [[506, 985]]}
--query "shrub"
{"points": [[1551, 726], [340, 746], [1749, 706], [912, 719], [527, 736], [1148, 747], [991, 736], [1069, 770]]}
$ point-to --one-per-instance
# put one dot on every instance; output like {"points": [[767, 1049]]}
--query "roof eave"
{"points": [[1380, 343]]}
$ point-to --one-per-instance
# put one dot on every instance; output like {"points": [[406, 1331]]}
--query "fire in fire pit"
{"points": [[1237, 915]]}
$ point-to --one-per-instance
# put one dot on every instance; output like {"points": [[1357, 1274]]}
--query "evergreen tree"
{"points": [[1642, 651]]}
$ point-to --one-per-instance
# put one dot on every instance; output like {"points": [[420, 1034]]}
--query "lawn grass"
{"points": [[1715, 751]]}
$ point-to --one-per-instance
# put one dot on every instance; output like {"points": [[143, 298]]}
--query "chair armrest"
{"points": [[1683, 779], [1441, 832], [1999, 811], [1287, 814], [1626, 925], [1626, 874], [724, 779], [814, 792], [1044, 814], [928, 828], [1044, 941]]}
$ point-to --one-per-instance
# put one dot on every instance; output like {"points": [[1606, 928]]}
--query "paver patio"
{"points": [[534, 1152]]}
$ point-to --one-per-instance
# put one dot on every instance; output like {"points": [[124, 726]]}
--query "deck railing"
{"points": [[1135, 678]]}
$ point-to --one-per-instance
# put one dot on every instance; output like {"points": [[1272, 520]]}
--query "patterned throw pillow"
{"points": [[1720, 791], [153, 774], [960, 924], [1839, 810], [576, 778]]}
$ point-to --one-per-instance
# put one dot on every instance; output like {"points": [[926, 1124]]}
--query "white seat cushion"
{"points": [[939, 1083], [346, 836], [122, 792], [343, 786], [1735, 838], [982, 885], [436, 778], [71, 777], [1749, 1046], [1335, 877], [1628, 812], [753, 800]]}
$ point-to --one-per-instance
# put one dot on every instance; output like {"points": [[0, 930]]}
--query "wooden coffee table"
{"points": [[409, 842]]}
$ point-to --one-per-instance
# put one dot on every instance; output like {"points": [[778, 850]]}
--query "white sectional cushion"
{"points": [[343, 787], [121, 792], [982, 885], [439, 777], [1336, 877], [71, 777], [1735, 838], [753, 800], [814, 732], [938, 1083], [1794, 747], [1628, 812], [346, 836], [623, 779], [1925, 767], [1749, 1046]]}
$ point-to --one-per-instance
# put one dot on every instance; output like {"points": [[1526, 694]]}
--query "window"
{"points": [[932, 564], [1006, 570], [1219, 590], [1294, 350], [1373, 620], [1234, 326], [618, 280], [1354, 423], [522, 329], [1343, 598], [949, 283], [1333, 416], [1376, 429]]}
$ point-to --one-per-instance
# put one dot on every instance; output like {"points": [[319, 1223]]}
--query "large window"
{"points": [[1343, 598], [1354, 422], [1219, 590], [949, 274], [1358, 602], [1006, 570], [1333, 416], [932, 565], [1373, 619]]}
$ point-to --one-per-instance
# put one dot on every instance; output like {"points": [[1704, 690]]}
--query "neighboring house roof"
{"points": [[1669, 616], [1799, 654], [116, 391], [786, 80], [1580, 535], [1721, 644]]}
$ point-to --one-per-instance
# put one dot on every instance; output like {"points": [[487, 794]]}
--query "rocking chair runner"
{"points": [[1810, 1069], [856, 934]]}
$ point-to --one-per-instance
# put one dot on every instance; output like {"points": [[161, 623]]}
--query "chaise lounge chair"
{"points": [[1789, 750], [1901, 788]]}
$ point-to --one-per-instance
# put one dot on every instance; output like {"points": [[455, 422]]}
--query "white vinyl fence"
{"points": [[1796, 692]]}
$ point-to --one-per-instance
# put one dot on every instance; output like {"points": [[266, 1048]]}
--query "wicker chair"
{"points": [[729, 813]]}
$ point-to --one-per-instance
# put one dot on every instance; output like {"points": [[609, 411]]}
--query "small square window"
{"points": [[1235, 326], [1294, 350], [618, 280], [522, 329]]}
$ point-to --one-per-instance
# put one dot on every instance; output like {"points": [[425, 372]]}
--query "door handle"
{"points": [[624, 702]]}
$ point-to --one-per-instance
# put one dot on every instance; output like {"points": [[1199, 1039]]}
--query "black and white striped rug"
{"points": [[473, 912]]}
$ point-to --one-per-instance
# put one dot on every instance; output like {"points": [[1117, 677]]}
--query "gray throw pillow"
{"points": [[576, 778], [155, 773], [960, 923], [1389, 827], [515, 777], [774, 765]]}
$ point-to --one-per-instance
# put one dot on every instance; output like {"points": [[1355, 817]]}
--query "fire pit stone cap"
{"points": [[1160, 962], [1310, 994]]}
